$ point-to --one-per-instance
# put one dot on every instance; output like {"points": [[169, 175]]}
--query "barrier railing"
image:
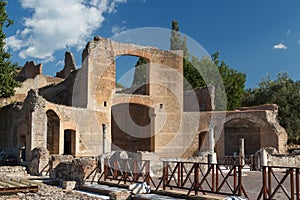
{"points": [[288, 183], [127, 170], [201, 177]]}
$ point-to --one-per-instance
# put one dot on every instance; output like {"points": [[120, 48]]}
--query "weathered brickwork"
{"points": [[82, 115]]}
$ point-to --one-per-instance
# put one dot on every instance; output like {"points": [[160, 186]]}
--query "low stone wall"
{"points": [[270, 157]]}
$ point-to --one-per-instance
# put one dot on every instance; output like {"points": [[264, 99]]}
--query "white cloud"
{"points": [[280, 46], [55, 24], [116, 29], [13, 43]]}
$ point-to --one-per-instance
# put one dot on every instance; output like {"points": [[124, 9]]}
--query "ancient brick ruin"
{"points": [[79, 112]]}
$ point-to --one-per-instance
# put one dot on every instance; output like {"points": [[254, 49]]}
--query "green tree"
{"points": [[119, 85], [175, 40], [284, 92], [234, 83], [140, 73], [7, 68]]}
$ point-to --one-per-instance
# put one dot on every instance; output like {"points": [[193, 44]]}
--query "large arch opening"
{"points": [[69, 142], [132, 75], [132, 127], [53, 124], [241, 128]]}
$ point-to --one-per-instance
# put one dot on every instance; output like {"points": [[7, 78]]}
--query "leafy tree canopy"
{"points": [[7, 68], [284, 92], [234, 81]]}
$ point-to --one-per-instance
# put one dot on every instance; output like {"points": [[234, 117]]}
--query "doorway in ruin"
{"points": [[69, 142], [53, 124], [241, 128], [132, 75], [202, 141], [132, 127]]}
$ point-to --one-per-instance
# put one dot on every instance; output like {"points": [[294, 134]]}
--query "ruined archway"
{"points": [[53, 128], [132, 127], [238, 128]]}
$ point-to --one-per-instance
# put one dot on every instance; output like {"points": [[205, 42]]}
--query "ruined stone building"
{"points": [[79, 112]]}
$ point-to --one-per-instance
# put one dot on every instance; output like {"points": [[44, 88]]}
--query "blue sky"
{"points": [[255, 37]]}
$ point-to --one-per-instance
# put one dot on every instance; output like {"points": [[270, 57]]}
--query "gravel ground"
{"points": [[46, 192]]}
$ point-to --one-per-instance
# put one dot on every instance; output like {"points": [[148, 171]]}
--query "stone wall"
{"points": [[86, 124], [85, 101], [199, 99], [70, 65], [38, 164], [271, 157], [239, 124], [9, 139], [29, 70], [77, 169]]}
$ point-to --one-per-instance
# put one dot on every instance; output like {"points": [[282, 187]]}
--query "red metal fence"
{"points": [[288, 183], [201, 177], [277, 182], [127, 170]]}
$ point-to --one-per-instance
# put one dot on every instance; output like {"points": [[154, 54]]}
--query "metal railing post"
{"points": [[265, 192], [179, 172], [106, 169], [147, 163], [291, 172], [240, 180], [297, 173], [165, 174], [196, 177]]}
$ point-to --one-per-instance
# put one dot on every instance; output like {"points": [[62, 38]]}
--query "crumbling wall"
{"points": [[70, 65], [271, 157], [77, 169], [86, 124], [199, 99], [29, 70], [8, 131], [61, 93], [38, 164], [270, 134], [97, 85]]}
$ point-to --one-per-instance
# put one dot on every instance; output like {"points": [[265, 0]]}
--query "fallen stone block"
{"points": [[69, 185], [119, 195]]}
